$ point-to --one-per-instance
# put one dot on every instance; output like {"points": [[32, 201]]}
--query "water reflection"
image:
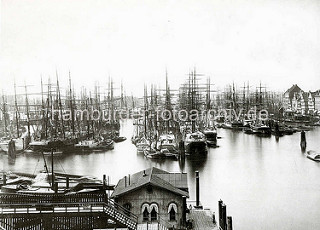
{"points": [[197, 162], [182, 164]]}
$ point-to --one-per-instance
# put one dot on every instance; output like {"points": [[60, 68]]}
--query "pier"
{"points": [[202, 219]]}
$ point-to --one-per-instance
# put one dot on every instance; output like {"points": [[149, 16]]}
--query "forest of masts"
{"points": [[40, 111]]}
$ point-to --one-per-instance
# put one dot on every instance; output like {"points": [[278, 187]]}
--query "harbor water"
{"points": [[266, 183]]}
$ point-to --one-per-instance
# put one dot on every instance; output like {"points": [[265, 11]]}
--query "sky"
{"points": [[136, 41]]}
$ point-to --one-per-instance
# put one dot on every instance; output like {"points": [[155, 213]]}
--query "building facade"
{"points": [[296, 100], [154, 195]]}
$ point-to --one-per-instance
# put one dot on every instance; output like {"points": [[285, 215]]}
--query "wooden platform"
{"points": [[201, 219]]}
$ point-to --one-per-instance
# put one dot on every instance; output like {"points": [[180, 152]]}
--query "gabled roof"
{"points": [[173, 182], [293, 89]]}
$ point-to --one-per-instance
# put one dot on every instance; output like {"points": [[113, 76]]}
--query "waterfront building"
{"points": [[311, 103], [296, 100], [290, 95], [154, 195], [317, 101]]}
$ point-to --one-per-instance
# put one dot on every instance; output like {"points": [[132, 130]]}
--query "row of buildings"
{"points": [[297, 100]]}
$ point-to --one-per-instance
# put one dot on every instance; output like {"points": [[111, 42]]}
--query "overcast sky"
{"points": [[275, 41]]}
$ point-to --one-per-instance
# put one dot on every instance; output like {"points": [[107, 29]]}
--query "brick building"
{"points": [[154, 195]]}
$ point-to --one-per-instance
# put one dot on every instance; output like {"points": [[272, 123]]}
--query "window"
{"points": [[153, 214], [145, 214], [172, 210], [127, 207], [154, 211], [172, 215]]}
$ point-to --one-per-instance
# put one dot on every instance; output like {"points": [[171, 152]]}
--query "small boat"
{"points": [[47, 145], [261, 130], [142, 144], [237, 125], [287, 131], [154, 154], [95, 145], [227, 125], [119, 139], [211, 136], [304, 128], [167, 141], [40, 184], [169, 153], [313, 155], [247, 130], [55, 152]]}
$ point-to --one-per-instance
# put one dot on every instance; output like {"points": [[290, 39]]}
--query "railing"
{"points": [[122, 209], [113, 210], [7, 226], [129, 221], [51, 198], [159, 224], [151, 226], [51, 208]]}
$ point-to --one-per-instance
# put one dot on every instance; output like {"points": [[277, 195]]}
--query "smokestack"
{"points": [[129, 179], [125, 181], [197, 190]]}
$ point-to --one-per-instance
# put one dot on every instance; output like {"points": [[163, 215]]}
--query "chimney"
{"points": [[67, 182], [4, 179], [144, 173], [55, 187], [197, 190], [125, 181], [104, 181], [129, 179]]}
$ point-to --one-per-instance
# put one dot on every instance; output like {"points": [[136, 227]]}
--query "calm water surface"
{"points": [[266, 184]]}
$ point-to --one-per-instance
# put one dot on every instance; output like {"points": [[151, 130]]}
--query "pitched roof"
{"points": [[173, 182], [293, 88]]}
